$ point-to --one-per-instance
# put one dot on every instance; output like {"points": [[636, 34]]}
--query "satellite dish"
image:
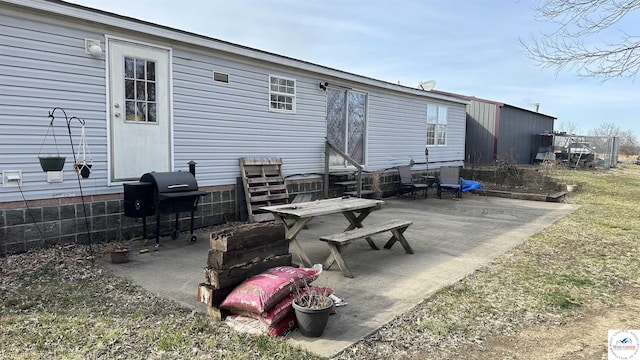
{"points": [[427, 85]]}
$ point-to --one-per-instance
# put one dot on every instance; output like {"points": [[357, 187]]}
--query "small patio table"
{"points": [[295, 216]]}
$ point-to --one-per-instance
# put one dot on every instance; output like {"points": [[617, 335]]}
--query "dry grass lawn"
{"points": [[553, 297]]}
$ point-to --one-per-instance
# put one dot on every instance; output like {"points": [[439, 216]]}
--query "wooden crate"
{"points": [[236, 254]]}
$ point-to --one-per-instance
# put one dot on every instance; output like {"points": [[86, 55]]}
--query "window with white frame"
{"points": [[436, 125], [282, 94]]}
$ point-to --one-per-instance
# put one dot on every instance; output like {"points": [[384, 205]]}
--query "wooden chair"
{"points": [[449, 180], [408, 185]]}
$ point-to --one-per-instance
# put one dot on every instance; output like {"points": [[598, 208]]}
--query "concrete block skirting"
{"points": [[63, 221]]}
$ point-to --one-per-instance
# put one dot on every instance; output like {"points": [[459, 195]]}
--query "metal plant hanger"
{"points": [[75, 156], [83, 167]]}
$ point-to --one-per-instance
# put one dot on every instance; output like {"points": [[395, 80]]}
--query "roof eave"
{"points": [[63, 8]]}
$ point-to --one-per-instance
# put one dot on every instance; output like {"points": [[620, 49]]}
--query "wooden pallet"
{"points": [[264, 185]]}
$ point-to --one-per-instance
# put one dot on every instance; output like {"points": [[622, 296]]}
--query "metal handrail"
{"points": [[329, 146]]}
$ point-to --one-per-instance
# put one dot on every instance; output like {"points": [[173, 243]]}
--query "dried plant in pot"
{"points": [[375, 185], [312, 307], [119, 253]]}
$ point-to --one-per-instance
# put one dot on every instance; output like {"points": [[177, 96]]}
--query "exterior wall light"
{"points": [[92, 47]]}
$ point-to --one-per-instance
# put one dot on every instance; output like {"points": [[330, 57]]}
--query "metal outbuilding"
{"points": [[495, 130]]}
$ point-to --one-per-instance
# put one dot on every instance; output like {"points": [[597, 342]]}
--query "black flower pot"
{"points": [[51, 163], [83, 169], [312, 321]]}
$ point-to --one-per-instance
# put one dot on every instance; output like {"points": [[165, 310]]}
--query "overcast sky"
{"points": [[469, 47]]}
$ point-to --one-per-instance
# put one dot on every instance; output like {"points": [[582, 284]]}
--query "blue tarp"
{"points": [[468, 185]]}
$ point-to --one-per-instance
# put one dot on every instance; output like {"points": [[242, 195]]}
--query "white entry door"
{"points": [[140, 123]]}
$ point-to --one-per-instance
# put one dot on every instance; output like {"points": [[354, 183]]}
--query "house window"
{"points": [[436, 125], [282, 94]]}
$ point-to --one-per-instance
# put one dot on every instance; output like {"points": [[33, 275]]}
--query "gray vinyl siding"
{"points": [[43, 66], [480, 136], [216, 123], [453, 153], [518, 128], [397, 132]]}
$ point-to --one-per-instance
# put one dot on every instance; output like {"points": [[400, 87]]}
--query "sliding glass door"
{"points": [[346, 124]]}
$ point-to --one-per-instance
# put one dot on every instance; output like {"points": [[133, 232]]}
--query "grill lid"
{"points": [[180, 195], [171, 182]]}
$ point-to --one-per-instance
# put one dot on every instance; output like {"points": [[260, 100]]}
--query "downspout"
{"points": [[496, 132]]}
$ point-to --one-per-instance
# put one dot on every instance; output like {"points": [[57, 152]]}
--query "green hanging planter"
{"points": [[51, 163]]}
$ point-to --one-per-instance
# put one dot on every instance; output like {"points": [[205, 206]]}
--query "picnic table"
{"points": [[294, 217]]}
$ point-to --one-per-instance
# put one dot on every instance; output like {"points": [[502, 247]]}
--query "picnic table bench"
{"points": [[295, 216], [339, 242]]}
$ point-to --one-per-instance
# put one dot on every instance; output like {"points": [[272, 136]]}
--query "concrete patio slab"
{"points": [[451, 239]]}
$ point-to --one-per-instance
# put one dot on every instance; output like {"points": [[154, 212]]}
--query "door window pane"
{"points": [[140, 69], [140, 90], [129, 90], [336, 115], [141, 113], [128, 67], [151, 91], [141, 93], [152, 112], [151, 71], [130, 107], [356, 122]]}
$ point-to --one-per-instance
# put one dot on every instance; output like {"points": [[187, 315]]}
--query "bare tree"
{"points": [[568, 127], [628, 141], [570, 45], [606, 130]]}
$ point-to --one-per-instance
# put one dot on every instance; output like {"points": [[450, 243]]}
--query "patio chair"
{"points": [[449, 180], [408, 185]]}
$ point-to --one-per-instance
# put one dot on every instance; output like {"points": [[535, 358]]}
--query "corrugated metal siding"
{"points": [[39, 70], [480, 134], [518, 128]]}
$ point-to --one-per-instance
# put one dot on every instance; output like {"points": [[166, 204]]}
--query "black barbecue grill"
{"points": [[162, 193]]}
